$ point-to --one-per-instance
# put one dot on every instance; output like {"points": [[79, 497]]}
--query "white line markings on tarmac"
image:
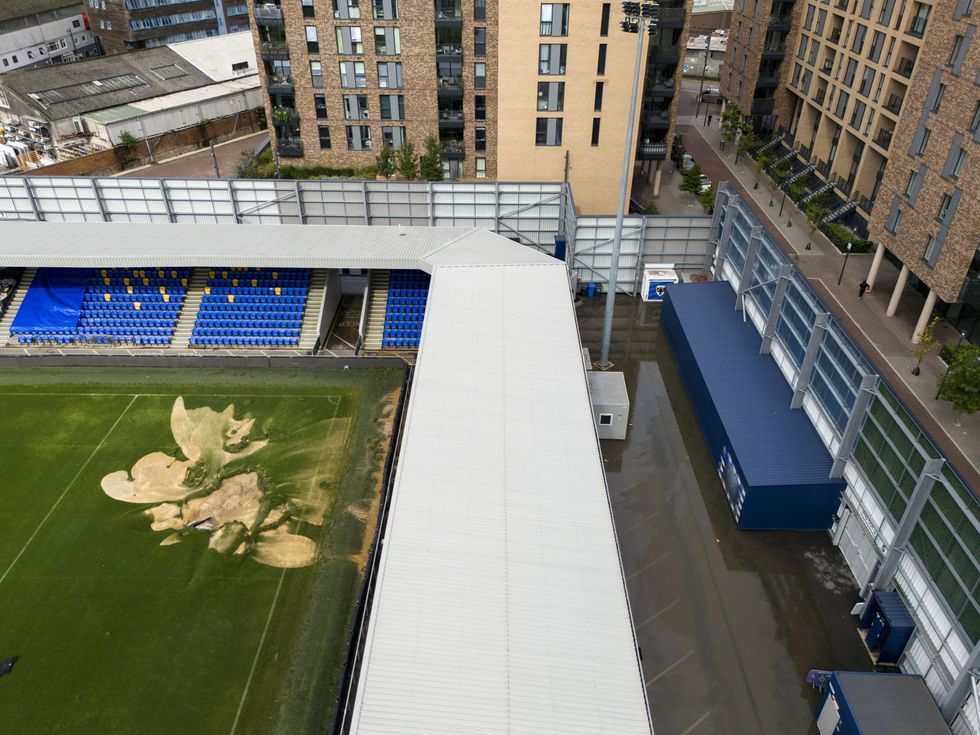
{"points": [[670, 668], [657, 614], [647, 566], [68, 487], [642, 522], [697, 722]]}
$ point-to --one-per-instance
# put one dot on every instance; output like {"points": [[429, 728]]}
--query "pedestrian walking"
{"points": [[709, 120], [863, 288]]}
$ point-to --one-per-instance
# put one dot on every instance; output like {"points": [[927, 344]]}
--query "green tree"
{"points": [[430, 162], [386, 161], [692, 179], [126, 140], [407, 161], [961, 386], [707, 198], [814, 211], [928, 342], [731, 121]]}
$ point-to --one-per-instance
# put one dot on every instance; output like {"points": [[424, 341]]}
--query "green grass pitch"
{"points": [[116, 633]]}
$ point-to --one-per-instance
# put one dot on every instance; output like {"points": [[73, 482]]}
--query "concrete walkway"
{"points": [[885, 340], [199, 164]]}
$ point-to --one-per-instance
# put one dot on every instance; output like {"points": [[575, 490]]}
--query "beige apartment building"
{"points": [[875, 103], [514, 90]]}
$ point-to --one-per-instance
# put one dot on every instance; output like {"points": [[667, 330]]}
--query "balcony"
{"points": [[449, 13], [290, 147], [656, 119], [451, 119], [834, 36], [666, 54], [452, 149], [828, 66], [841, 4], [767, 81], [780, 22], [671, 17], [274, 50], [279, 83], [894, 104], [883, 138], [449, 49], [917, 27], [904, 67], [284, 115], [820, 96], [450, 85], [774, 51], [762, 105], [651, 152], [268, 14], [662, 87]]}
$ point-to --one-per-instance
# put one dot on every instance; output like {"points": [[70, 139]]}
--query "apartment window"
{"points": [[850, 72], [393, 136], [481, 168], [479, 9], [604, 22], [814, 50], [479, 75], [810, 10], [940, 91], [352, 75], [385, 9], [551, 96], [877, 43], [390, 75], [554, 19], [958, 164], [797, 73], [551, 58], [599, 86], [924, 142], [349, 40], [842, 104], [975, 122], [479, 107], [347, 9], [312, 44], [320, 105], [898, 221], [316, 74], [821, 21], [858, 43], [944, 207], [910, 184], [801, 51], [324, 132], [480, 139], [595, 130], [308, 11], [479, 41], [867, 81], [920, 19], [931, 252], [955, 52], [355, 107], [857, 117], [548, 131], [392, 107], [965, 8], [601, 65], [387, 41], [358, 138]]}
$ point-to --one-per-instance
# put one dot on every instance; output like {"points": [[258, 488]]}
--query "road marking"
{"points": [[658, 613], [643, 569], [640, 523], [697, 722], [670, 668], [69, 486]]}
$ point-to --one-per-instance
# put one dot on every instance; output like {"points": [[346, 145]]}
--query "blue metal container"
{"points": [[772, 464]]}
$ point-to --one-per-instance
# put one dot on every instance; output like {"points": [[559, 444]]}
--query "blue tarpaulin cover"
{"points": [[53, 303]]}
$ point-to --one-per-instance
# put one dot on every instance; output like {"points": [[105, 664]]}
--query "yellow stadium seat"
{"points": [[234, 281], [278, 291], [163, 289], [275, 275], [137, 305], [107, 297], [129, 289], [255, 282], [173, 274], [166, 298], [231, 298], [183, 281], [207, 289], [126, 281]]}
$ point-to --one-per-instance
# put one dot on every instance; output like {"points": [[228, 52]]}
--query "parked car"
{"points": [[705, 184], [687, 161]]}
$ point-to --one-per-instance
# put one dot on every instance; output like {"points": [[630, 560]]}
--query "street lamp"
{"points": [[636, 16], [952, 359]]}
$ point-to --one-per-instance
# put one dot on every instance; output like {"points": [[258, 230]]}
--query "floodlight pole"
{"points": [[607, 320]]}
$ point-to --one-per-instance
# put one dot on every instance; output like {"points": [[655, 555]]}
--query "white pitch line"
{"points": [[68, 487]]}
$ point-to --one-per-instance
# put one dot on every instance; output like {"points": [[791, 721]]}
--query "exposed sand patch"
{"points": [[203, 433], [155, 477], [286, 550]]}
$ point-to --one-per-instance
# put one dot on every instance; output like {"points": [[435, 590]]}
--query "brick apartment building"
{"points": [[126, 25]]}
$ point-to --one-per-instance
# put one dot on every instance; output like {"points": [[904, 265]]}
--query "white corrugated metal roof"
{"points": [[175, 100], [500, 604], [215, 55]]}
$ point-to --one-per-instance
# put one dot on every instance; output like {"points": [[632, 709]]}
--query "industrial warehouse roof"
{"points": [[500, 604], [774, 444], [88, 85], [175, 100], [888, 704], [10, 9]]}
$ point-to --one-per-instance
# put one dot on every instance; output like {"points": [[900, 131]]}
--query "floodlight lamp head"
{"points": [[631, 9], [649, 10], [629, 25]]}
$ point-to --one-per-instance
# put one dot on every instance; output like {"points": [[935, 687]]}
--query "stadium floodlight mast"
{"points": [[637, 16]]}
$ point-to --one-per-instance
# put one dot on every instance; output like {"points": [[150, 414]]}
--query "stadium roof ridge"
{"points": [[500, 603]]}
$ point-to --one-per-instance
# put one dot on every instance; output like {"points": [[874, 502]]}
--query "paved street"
{"points": [[886, 340], [199, 164]]}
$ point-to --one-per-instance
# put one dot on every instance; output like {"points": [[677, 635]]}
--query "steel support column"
{"points": [[751, 253], [367, 206], [962, 687], [32, 199], [722, 252], [867, 391], [769, 331], [809, 359], [886, 572], [166, 201]]}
